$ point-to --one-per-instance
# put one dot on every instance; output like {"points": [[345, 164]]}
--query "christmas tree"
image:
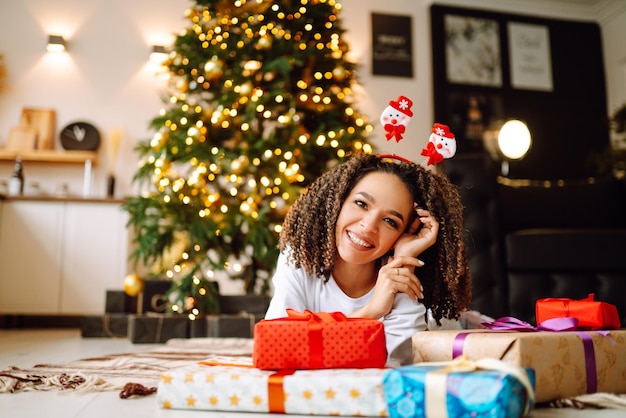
{"points": [[259, 105]]}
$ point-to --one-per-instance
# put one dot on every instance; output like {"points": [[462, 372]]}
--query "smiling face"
{"points": [[391, 116], [372, 218], [444, 146]]}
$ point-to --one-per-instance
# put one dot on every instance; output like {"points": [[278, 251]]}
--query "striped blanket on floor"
{"points": [[138, 373], [113, 372]]}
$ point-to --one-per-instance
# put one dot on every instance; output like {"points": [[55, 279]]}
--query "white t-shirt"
{"points": [[295, 289]]}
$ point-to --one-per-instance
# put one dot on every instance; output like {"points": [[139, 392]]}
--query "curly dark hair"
{"points": [[309, 228]]}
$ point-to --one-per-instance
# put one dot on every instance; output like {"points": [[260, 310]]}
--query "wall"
{"points": [[614, 32], [106, 77], [568, 121]]}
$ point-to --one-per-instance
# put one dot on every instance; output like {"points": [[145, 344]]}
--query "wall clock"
{"points": [[80, 136]]}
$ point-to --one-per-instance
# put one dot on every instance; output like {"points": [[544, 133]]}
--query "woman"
{"points": [[351, 244]]}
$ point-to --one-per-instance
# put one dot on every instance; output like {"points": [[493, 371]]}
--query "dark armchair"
{"points": [[537, 240]]}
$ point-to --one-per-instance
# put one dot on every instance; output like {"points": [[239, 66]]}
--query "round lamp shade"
{"points": [[514, 139]]}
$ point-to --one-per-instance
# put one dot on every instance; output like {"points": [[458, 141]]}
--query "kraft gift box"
{"points": [[109, 325], [225, 326], [153, 298], [343, 392], [157, 328], [322, 340], [459, 389], [566, 364], [237, 304], [117, 301]]}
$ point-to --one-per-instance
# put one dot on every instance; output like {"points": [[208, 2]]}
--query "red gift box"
{"points": [[322, 340], [590, 314]]}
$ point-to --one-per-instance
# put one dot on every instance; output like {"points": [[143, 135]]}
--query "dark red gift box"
{"points": [[591, 314], [322, 340]]}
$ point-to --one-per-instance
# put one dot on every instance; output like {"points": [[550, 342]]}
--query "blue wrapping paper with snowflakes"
{"points": [[459, 388]]}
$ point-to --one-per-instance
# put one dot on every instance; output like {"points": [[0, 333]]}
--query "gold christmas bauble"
{"points": [[264, 43], [133, 285], [213, 68], [339, 73]]}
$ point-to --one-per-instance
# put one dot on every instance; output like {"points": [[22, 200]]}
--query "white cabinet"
{"points": [[60, 257], [30, 250]]}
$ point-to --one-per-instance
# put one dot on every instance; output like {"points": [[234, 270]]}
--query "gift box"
{"points": [[306, 340], [344, 392], [117, 301], [566, 364], [225, 326], [110, 325], [237, 304], [157, 328], [152, 298], [590, 313], [459, 388]]}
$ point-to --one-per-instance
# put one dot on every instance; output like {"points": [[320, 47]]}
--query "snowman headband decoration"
{"points": [[395, 118]]}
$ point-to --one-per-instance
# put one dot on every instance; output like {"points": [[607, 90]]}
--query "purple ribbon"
{"points": [[458, 343], [509, 323], [590, 362]]}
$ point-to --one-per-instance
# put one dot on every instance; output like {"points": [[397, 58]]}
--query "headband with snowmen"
{"points": [[396, 116]]}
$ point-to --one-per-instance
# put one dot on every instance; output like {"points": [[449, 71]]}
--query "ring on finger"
{"points": [[397, 271]]}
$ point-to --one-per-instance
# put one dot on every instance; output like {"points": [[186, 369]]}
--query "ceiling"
{"points": [[598, 9], [583, 2], [587, 3]]}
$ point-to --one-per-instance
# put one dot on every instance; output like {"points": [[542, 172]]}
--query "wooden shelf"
{"points": [[49, 156], [57, 199]]}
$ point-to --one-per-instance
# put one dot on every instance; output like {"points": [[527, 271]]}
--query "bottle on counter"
{"points": [[16, 182]]}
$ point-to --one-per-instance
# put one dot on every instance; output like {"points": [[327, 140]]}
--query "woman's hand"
{"points": [[394, 277], [413, 244], [398, 275]]}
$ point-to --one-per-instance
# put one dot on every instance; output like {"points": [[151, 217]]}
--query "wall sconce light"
{"points": [[158, 54], [56, 43], [506, 141]]}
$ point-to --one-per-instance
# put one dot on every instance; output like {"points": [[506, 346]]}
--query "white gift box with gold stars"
{"points": [[224, 387]]}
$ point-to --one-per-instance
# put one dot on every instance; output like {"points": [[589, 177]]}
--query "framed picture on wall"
{"points": [[472, 50], [490, 66], [530, 60], [392, 46]]}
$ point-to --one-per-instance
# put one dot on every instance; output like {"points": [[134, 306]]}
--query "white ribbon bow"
{"points": [[436, 381]]}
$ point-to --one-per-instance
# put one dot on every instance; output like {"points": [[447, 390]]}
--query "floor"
{"points": [[24, 348]]}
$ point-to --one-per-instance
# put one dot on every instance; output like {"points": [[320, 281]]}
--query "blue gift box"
{"points": [[459, 389]]}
